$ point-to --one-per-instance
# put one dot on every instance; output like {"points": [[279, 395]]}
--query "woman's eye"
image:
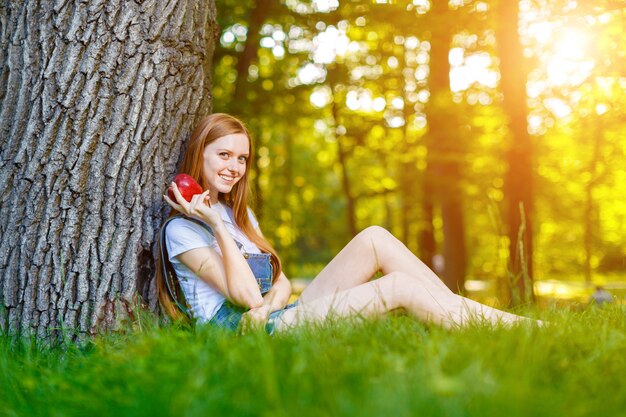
{"points": [[224, 154], [243, 159]]}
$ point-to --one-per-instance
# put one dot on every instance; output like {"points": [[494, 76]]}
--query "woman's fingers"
{"points": [[251, 321], [198, 199], [187, 207], [194, 203], [177, 194], [205, 197], [180, 204], [171, 203]]}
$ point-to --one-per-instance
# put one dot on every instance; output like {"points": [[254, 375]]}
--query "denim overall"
{"points": [[229, 315]]}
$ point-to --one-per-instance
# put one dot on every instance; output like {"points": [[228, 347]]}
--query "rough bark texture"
{"points": [[519, 178], [96, 101]]}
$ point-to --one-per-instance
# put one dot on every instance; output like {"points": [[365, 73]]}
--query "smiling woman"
{"points": [[231, 277], [199, 245]]}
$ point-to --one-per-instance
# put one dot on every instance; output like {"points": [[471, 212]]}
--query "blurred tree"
{"points": [[519, 178], [351, 131], [445, 152], [575, 109]]}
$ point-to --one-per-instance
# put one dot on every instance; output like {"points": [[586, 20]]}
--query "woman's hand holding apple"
{"points": [[199, 207], [187, 186]]}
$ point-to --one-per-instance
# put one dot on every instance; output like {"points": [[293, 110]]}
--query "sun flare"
{"points": [[566, 52]]}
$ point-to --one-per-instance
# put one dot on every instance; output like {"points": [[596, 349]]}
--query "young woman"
{"points": [[231, 276]]}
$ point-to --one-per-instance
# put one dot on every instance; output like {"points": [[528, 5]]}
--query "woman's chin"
{"points": [[225, 189]]}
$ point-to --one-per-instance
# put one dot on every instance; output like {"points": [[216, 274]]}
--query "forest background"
{"points": [[357, 123], [434, 119], [486, 135]]}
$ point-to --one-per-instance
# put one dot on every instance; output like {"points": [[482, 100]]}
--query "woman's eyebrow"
{"points": [[229, 151]]}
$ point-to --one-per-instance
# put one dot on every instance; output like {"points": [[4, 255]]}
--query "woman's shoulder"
{"points": [[183, 225], [182, 234], [228, 214]]}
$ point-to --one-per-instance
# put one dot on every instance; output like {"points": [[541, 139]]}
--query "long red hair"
{"points": [[209, 129]]}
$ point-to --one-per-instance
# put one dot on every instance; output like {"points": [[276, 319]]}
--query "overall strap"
{"points": [[208, 228]]}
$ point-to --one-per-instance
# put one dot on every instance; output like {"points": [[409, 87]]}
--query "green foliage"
{"points": [[392, 366], [348, 143]]}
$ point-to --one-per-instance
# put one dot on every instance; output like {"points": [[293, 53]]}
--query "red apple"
{"points": [[187, 186]]}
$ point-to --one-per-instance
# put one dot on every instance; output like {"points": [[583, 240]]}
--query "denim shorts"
{"points": [[229, 315]]}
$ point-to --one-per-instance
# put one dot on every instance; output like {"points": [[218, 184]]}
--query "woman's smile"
{"points": [[227, 177]]}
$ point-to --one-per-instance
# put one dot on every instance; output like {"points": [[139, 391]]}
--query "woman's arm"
{"points": [[275, 299], [278, 296], [230, 275]]}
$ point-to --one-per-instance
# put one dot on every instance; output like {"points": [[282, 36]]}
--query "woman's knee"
{"points": [[374, 234]]}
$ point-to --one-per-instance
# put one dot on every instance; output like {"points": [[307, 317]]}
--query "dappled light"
{"points": [[380, 112]]}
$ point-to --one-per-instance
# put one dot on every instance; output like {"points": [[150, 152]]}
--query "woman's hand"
{"points": [[255, 318], [199, 207]]}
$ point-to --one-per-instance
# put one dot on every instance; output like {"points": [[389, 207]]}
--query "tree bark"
{"points": [[96, 101], [519, 177]]}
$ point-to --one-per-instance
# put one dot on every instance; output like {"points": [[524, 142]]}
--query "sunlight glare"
{"points": [[558, 107], [572, 45], [320, 96], [601, 109], [474, 68], [325, 6], [565, 51], [311, 73], [330, 44], [352, 101], [379, 104], [398, 103]]}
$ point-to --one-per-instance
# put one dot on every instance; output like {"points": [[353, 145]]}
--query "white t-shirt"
{"points": [[183, 235]]}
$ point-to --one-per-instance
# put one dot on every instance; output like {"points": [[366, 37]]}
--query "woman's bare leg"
{"points": [[423, 300], [372, 250]]}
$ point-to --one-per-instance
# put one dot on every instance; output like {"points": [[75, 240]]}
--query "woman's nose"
{"points": [[232, 165]]}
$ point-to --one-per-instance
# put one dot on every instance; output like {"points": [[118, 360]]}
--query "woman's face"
{"points": [[225, 162]]}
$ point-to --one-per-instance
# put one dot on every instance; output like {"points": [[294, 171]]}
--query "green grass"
{"points": [[390, 367]]}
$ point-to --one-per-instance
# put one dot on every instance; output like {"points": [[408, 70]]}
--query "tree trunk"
{"points": [[519, 179], [445, 149], [347, 187], [96, 101], [427, 243], [342, 158], [454, 251], [259, 12]]}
